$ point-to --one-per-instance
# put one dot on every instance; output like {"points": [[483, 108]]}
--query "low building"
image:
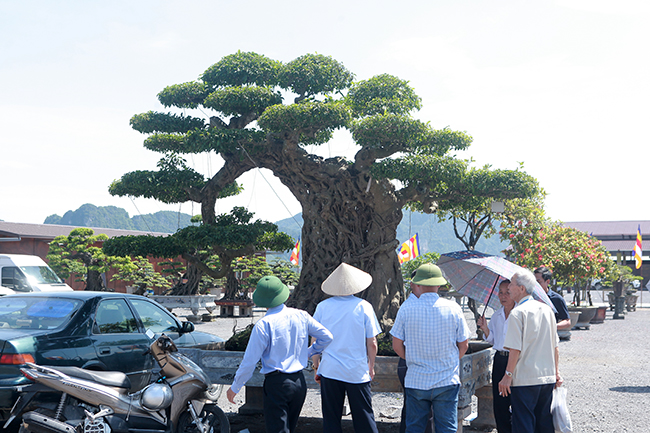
{"points": [[619, 237], [34, 239]]}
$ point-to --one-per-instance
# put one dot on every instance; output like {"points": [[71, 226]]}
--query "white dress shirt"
{"points": [[280, 339]]}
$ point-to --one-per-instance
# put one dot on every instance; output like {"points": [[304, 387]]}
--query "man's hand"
{"points": [[317, 378], [231, 395], [558, 380], [372, 373], [481, 322], [504, 386]]}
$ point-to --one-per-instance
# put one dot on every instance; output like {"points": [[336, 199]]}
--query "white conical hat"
{"points": [[346, 280]]}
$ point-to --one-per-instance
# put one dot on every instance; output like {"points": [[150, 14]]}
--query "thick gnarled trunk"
{"points": [[346, 222]]}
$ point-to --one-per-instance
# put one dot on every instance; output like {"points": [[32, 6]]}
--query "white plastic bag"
{"points": [[560, 411]]}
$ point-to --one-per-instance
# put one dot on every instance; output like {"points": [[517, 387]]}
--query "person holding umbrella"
{"points": [[494, 332]]}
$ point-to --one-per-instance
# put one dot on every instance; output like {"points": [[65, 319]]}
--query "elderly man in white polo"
{"points": [[532, 370], [348, 364]]}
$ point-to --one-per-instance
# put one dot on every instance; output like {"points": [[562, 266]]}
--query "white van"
{"points": [[23, 273]]}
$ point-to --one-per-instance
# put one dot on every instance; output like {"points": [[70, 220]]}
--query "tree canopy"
{"points": [[254, 112]]}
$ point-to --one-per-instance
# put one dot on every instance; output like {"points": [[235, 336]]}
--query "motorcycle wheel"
{"points": [[211, 415]]}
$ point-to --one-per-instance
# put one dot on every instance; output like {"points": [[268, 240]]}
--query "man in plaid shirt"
{"points": [[431, 334]]}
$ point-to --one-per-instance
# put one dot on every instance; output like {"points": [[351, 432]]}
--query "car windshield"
{"points": [[40, 275], [36, 312]]}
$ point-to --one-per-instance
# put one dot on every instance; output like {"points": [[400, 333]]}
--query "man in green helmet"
{"points": [[431, 334], [280, 339]]}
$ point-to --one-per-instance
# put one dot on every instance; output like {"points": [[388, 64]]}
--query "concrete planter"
{"points": [[586, 314], [221, 366], [600, 315]]}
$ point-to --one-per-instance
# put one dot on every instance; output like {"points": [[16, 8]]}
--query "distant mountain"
{"points": [[111, 217], [433, 236]]}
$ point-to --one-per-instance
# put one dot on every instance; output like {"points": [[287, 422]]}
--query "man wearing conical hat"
{"points": [[431, 334], [280, 339], [348, 364]]}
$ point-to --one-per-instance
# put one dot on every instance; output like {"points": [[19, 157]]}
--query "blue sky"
{"points": [[561, 86]]}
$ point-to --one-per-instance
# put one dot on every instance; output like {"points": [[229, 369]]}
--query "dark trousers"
{"points": [[360, 398], [401, 374], [531, 408], [284, 395], [501, 405]]}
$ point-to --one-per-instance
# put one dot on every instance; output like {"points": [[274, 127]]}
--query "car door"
{"points": [[159, 320], [119, 342]]}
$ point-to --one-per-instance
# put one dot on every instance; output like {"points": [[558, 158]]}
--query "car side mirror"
{"points": [[187, 327]]}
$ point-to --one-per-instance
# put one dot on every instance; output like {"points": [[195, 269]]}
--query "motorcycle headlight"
{"points": [[156, 396]]}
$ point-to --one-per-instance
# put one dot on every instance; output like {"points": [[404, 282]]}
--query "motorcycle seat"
{"points": [[109, 378]]}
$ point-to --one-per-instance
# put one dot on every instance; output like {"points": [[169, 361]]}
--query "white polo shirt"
{"points": [[351, 321], [533, 331]]}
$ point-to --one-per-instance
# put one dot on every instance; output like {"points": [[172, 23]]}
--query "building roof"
{"points": [[615, 235], [601, 228], [50, 231]]}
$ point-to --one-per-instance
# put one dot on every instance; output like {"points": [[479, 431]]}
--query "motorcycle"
{"points": [[74, 400]]}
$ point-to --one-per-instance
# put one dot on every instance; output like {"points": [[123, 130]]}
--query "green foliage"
{"points": [[382, 94], [239, 341], [621, 273], [308, 117], [230, 231], [314, 74], [385, 345], [243, 69], [186, 95], [233, 101], [171, 184], [164, 122], [144, 245], [141, 273], [252, 269], [286, 272], [77, 254]]}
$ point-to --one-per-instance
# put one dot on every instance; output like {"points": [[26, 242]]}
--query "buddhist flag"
{"points": [[409, 250], [638, 251], [295, 254]]}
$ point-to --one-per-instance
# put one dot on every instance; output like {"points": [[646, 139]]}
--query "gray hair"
{"points": [[526, 279]]}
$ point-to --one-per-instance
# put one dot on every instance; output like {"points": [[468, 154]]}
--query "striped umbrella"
{"points": [[477, 274]]}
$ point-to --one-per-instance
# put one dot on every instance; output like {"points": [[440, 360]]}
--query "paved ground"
{"points": [[605, 369]]}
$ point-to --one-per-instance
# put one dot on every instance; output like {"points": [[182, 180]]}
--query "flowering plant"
{"points": [[575, 257]]}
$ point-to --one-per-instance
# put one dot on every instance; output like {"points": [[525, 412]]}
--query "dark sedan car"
{"points": [[92, 330]]}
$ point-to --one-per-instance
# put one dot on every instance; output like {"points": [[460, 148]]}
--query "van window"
{"points": [[14, 279], [40, 275]]}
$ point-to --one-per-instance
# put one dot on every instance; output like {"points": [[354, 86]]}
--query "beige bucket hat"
{"points": [[346, 280]]}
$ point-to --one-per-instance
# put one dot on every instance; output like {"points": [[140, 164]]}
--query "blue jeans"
{"points": [[444, 402]]}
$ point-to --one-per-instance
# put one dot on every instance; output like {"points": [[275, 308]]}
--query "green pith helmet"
{"points": [[270, 292], [429, 275]]}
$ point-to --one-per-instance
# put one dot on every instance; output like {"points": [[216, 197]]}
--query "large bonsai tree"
{"points": [[264, 113]]}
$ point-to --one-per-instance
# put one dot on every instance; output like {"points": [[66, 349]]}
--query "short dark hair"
{"points": [[547, 274]]}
